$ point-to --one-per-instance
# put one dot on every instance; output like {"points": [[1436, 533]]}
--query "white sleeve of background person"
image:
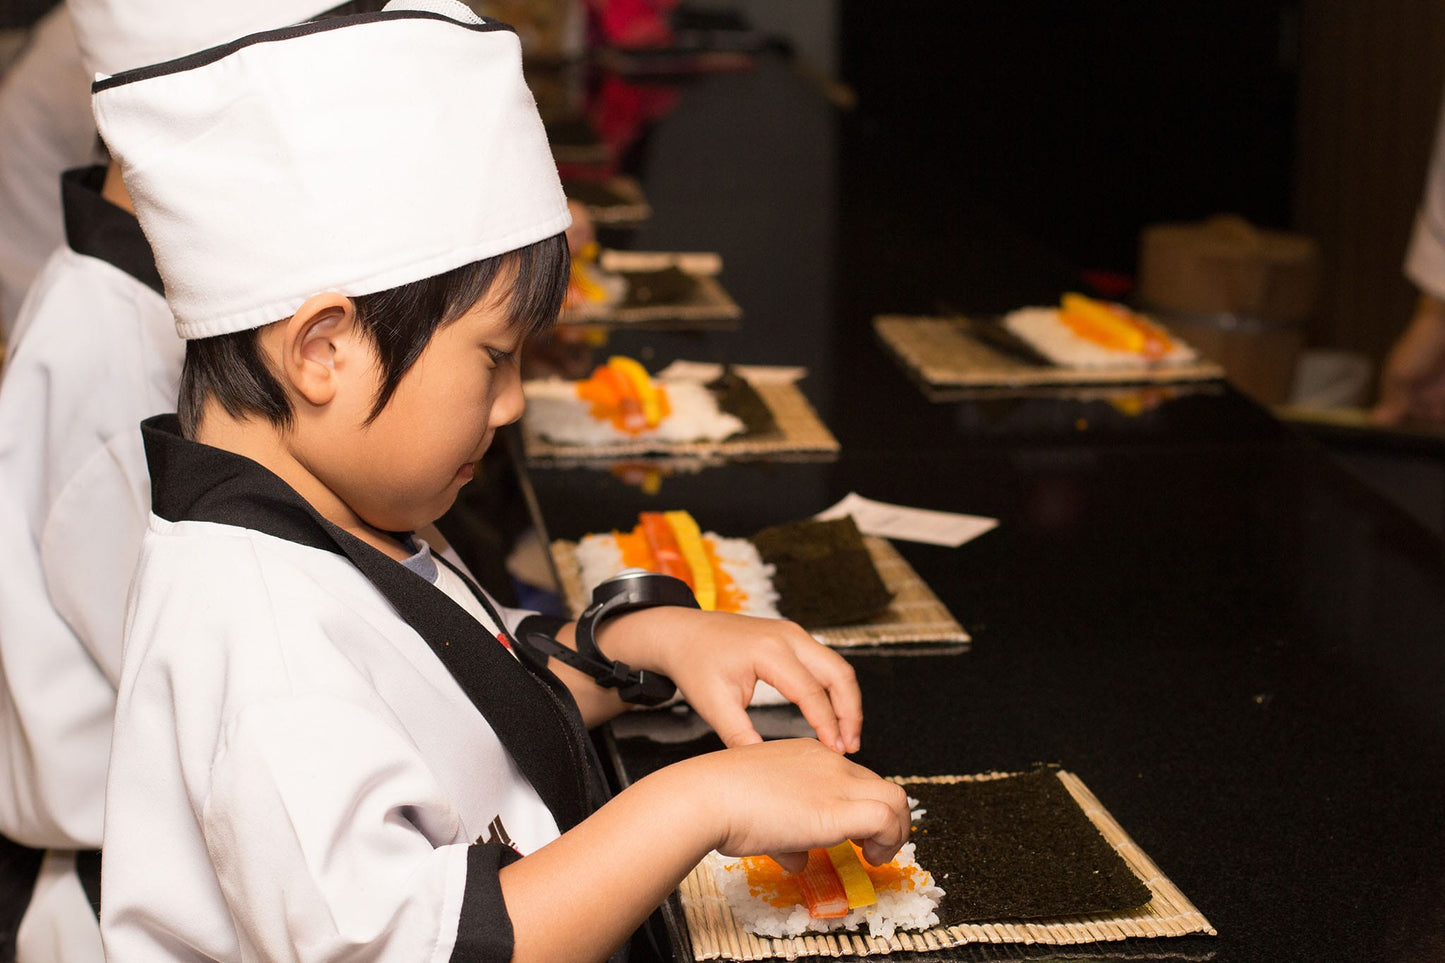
{"points": [[1425, 258], [73, 498]]}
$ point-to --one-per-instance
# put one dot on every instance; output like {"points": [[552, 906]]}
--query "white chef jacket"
{"points": [[296, 772], [96, 353], [45, 127]]}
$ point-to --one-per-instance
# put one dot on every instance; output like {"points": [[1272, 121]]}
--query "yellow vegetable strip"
{"points": [[852, 874], [689, 543]]}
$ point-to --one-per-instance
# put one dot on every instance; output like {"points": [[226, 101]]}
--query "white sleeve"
{"points": [[1425, 259], [104, 506], [329, 798]]}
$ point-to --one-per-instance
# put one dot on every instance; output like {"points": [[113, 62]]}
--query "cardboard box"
{"points": [[1239, 294]]}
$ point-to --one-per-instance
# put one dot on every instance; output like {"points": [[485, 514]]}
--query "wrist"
{"points": [[692, 793], [639, 638]]}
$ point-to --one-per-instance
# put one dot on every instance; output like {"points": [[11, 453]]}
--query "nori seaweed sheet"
{"points": [[571, 132], [1018, 848], [741, 400], [671, 285], [823, 572], [593, 193]]}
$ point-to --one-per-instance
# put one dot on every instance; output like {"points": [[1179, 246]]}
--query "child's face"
{"points": [[406, 468]]}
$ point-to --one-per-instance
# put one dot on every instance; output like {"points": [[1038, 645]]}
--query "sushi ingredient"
{"points": [[689, 543], [647, 393], [621, 392], [823, 572], [671, 285], [1113, 326], [586, 284], [768, 900], [588, 412], [739, 579], [855, 879], [663, 544], [822, 889]]}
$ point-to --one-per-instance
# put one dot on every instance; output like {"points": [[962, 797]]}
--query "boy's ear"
{"points": [[319, 347]]}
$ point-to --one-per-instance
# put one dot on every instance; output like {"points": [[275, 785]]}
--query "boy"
{"points": [[326, 745], [95, 353]]}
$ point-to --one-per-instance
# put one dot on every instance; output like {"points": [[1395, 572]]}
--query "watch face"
{"points": [[640, 587]]}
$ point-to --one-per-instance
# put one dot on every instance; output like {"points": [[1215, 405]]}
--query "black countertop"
{"points": [[1238, 647]]}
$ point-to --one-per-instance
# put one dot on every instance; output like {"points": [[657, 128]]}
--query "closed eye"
{"points": [[500, 357]]}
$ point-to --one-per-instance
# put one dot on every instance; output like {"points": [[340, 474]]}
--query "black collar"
{"points": [[97, 228], [530, 710]]}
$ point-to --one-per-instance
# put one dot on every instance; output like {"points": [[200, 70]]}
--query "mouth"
{"points": [[466, 472]]}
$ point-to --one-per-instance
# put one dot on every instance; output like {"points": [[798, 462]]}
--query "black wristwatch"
{"points": [[629, 590]]}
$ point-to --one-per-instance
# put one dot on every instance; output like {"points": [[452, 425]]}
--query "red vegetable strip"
{"points": [[663, 542], [822, 889]]}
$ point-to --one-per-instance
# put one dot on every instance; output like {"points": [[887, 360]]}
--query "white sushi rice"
{"points": [[1055, 340], [599, 557], [896, 909], [556, 413]]}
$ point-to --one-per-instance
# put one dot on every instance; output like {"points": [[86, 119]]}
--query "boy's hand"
{"points": [[717, 658], [786, 797]]}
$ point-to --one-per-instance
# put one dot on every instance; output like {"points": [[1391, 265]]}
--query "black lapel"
{"points": [[97, 228], [534, 718]]}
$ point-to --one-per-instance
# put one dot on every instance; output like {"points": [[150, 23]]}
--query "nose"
{"points": [[509, 402]]}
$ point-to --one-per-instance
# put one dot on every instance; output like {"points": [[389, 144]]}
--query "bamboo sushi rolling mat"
{"points": [[799, 430], [627, 207], [707, 306], [937, 352], [716, 935], [914, 616]]}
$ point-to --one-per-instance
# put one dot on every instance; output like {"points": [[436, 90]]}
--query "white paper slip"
{"points": [[910, 524]]}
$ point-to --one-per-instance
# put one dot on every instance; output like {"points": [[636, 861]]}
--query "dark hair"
{"points": [[399, 323]]}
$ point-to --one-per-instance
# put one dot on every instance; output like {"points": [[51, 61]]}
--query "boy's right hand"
{"points": [[786, 797]]}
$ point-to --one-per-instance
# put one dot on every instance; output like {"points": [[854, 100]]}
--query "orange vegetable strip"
{"points": [[642, 386], [664, 546], [627, 411], [1113, 326], [600, 391], [822, 889]]}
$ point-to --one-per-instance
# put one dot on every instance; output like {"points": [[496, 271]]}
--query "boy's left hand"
{"points": [[717, 658]]}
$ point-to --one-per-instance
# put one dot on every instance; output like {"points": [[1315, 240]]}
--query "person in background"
{"points": [[95, 352], [45, 128], [1412, 381], [328, 745]]}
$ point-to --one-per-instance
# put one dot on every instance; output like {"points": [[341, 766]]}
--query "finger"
{"points": [[889, 828], [1390, 411], [790, 677], [792, 862], [730, 721], [841, 683]]}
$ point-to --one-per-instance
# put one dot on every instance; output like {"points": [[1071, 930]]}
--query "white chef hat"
{"points": [[353, 155], [116, 35]]}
